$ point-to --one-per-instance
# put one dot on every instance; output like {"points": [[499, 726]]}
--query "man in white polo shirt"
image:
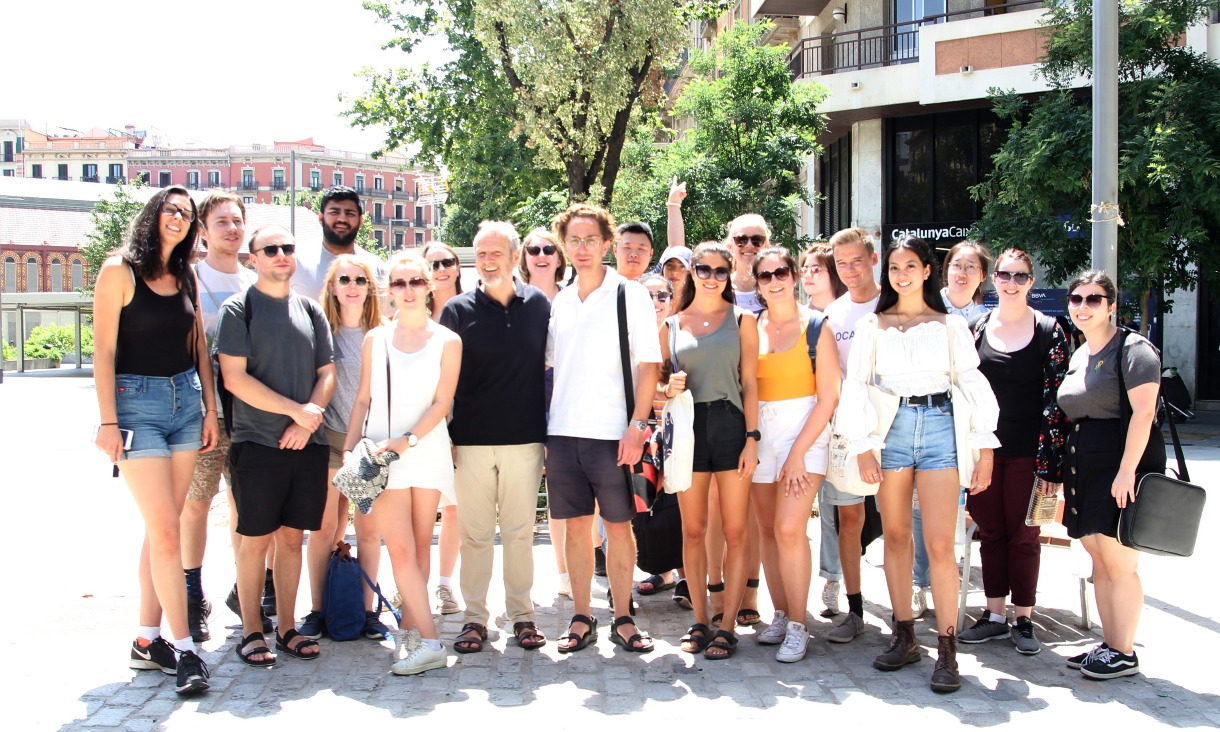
{"points": [[591, 438]]}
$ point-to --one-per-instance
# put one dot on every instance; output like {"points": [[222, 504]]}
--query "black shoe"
{"points": [[197, 613], [156, 656], [1078, 660], [269, 594], [1107, 663], [233, 604], [682, 595], [374, 629], [192, 674], [599, 562]]}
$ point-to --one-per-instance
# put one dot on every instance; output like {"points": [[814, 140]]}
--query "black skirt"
{"points": [[1094, 451]]}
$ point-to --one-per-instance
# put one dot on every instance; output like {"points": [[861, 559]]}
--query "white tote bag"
{"points": [[843, 470], [676, 431]]}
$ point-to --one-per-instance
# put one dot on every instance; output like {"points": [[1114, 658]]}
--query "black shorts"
{"points": [[720, 436], [274, 488], [580, 471]]}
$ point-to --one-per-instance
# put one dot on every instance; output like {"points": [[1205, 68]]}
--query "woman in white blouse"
{"points": [[913, 339]]}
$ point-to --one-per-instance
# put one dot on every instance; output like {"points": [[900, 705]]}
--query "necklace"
{"points": [[902, 326], [779, 327]]}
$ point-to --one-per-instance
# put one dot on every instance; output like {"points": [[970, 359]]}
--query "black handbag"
{"points": [[1164, 517]]}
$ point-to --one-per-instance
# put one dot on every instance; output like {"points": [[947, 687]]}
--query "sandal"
{"points": [[281, 644], [472, 644], [639, 642], [656, 583], [528, 635], [712, 589], [692, 643], [682, 595], [579, 642], [268, 660], [724, 642], [748, 615]]}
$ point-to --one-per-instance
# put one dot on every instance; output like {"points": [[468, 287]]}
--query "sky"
{"points": [[224, 72]]}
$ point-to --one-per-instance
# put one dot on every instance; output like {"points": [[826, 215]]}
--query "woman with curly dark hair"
{"points": [[153, 379]]}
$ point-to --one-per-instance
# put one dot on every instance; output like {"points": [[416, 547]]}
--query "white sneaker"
{"points": [[419, 659], [446, 604], [919, 602], [830, 598], [796, 638], [773, 635], [565, 586]]}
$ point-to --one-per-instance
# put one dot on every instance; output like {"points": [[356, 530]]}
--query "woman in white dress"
{"points": [[409, 373]]}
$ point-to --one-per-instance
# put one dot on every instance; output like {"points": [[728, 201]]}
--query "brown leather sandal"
{"points": [[464, 644], [528, 635]]}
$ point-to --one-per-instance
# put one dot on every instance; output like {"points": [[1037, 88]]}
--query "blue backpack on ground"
{"points": [[343, 601]]}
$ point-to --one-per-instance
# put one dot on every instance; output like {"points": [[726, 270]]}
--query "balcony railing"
{"points": [[62, 177], [380, 221], [420, 222], [403, 195], [115, 179], [279, 185], [89, 179], [315, 186], [883, 45], [360, 189], [249, 184]]}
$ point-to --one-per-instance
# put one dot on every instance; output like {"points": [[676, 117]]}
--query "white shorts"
{"points": [[780, 422]]}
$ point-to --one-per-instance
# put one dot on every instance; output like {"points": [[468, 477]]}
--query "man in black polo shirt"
{"points": [[499, 427]]}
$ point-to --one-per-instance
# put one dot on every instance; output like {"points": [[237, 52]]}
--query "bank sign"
{"points": [[941, 234], [1050, 302]]}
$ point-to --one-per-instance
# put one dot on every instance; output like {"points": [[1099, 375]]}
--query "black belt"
{"points": [[926, 400]]}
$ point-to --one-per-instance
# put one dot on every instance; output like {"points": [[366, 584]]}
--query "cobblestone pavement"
{"points": [[71, 608]]}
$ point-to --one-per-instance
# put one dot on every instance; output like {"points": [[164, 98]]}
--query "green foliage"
{"points": [[54, 341], [753, 129], [9, 352], [112, 218], [1169, 154], [539, 211]]}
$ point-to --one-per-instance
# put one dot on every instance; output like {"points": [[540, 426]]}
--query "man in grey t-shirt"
{"points": [[277, 360], [341, 215]]}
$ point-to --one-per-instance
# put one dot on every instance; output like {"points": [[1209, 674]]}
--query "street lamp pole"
{"points": [[1105, 212]]}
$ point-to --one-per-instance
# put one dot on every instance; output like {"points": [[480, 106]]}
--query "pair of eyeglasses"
{"points": [[273, 250], [360, 280], [1094, 300], [547, 249], [185, 214], [445, 263], [779, 273], [705, 271], [970, 269], [1021, 278], [812, 269], [588, 241], [661, 296], [756, 240], [415, 283]]}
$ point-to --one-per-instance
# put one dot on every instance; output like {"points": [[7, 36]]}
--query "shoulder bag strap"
{"points": [[1125, 410], [952, 361], [673, 342], [389, 386], [813, 331], [204, 282], [624, 350]]}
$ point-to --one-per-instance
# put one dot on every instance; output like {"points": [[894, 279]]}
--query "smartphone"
{"points": [[125, 434]]}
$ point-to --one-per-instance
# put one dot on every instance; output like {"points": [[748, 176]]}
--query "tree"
{"points": [[112, 219], [753, 129], [1039, 196]]}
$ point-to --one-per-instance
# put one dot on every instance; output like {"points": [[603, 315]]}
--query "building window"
{"points": [[213, 179], [78, 274], [834, 185], [163, 178], [10, 274], [277, 180], [398, 240], [360, 184], [62, 172], [116, 174], [336, 179], [247, 200], [8, 151], [192, 180], [36, 170], [89, 173], [379, 237], [419, 238], [398, 185], [379, 183], [378, 213], [419, 215], [398, 210], [247, 179], [315, 180], [10, 173], [31, 275], [57, 276]]}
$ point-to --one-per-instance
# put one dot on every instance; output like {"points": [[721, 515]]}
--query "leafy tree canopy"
{"points": [[112, 219]]}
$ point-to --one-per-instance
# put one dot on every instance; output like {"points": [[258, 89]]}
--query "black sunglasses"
{"points": [[1021, 278], [661, 296], [547, 249], [754, 239], [272, 250], [417, 283], [779, 273], [1094, 300], [360, 280], [705, 271], [445, 263]]}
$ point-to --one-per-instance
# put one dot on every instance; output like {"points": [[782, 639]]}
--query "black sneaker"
{"points": [[1107, 663], [269, 594], [1078, 660], [197, 613], [192, 674], [313, 626], [1022, 634], [233, 604], [374, 629], [599, 562], [984, 630], [156, 656]]}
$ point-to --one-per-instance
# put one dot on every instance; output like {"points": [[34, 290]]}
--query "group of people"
{"points": [[478, 392]]}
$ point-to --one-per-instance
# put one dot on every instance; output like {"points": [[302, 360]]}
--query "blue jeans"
{"points": [[164, 413], [829, 566]]}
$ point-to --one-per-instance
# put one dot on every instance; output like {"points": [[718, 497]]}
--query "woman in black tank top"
{"points": [[153, 380]]}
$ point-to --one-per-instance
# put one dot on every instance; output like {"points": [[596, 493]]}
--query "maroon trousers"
{"points": [[1010, 550]]}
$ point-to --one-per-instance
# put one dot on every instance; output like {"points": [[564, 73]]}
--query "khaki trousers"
{"points": [[498, 481]]}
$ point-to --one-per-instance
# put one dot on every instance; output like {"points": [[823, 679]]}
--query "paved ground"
{"points": [[71, 571]]}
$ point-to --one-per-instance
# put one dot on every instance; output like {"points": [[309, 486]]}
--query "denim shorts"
{"points": [[921, 438], [164, 413]]}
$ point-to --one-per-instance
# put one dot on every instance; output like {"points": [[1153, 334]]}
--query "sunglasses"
{"points": [[171, 210], [812, 269], [1094, 300], [756, 240], [344, 280], [272, 250], [661, 296], [415, 283], [779, 273], [705, 271], [445, 263], [1021, 278], [547, 249]]}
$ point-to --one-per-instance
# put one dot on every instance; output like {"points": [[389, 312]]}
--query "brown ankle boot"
{"points": [[945, 677], [903, 648]]}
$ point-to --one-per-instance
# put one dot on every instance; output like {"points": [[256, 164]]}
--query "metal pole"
{"points": [[1105, 212], [80, 359], [292, 195]]}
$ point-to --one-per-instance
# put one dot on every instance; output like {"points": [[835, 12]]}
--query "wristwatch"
{"points": [[639, 424], [755, 434], [412, 440]]}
